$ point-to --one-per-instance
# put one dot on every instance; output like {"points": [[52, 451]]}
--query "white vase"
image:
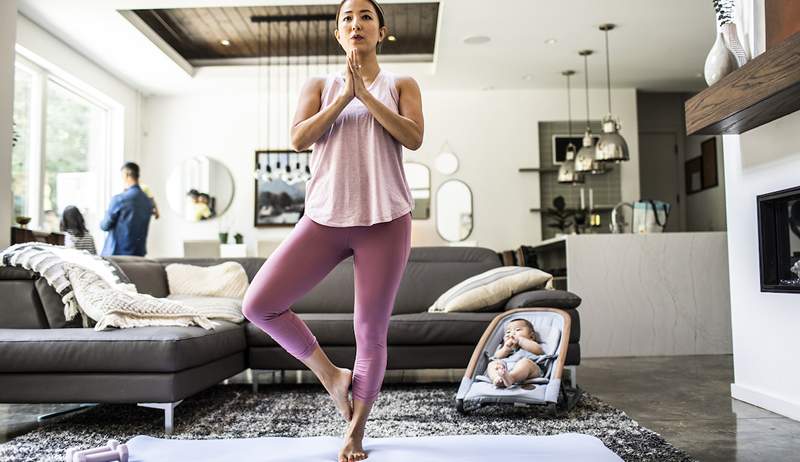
{"points": [[733, 43], [719, 62]]}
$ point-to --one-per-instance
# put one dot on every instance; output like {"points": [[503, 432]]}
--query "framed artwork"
{"points": [[693, 172], [708, 149], [280, 187]]}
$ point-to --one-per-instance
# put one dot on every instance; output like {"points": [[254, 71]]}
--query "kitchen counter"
{"points": [[645, 294]]}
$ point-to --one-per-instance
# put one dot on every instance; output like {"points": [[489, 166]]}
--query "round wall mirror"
{"points": [[418, 177], [454, 210], [447, 163], [200, 188]]}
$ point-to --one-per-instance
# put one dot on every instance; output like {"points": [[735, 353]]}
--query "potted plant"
{"points": [[238, 238], [560, 215]]}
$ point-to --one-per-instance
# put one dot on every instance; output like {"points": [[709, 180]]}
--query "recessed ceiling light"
{"points": [[527, 77], [551, 41], [391, 38], [225, 42], [476, 39]]}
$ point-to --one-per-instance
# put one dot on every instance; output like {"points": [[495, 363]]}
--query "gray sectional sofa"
{"points": [[44, 359]]}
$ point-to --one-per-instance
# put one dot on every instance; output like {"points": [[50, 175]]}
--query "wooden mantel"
{"points": [[764, 89]]}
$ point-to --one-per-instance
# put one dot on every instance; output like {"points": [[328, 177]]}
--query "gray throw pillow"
{"points": [[545, 299]]}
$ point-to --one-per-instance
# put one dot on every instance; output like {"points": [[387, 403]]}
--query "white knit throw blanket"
{"points": [[47, 261], [115, 308], [89, 287]]}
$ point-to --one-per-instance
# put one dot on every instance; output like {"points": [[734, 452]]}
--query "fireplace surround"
{"points": [[779, 240]]}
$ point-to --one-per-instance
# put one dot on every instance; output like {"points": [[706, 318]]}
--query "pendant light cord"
{"points": [[608, 74], [269, 87], [258, 90], [569, 107], [586, 81]]}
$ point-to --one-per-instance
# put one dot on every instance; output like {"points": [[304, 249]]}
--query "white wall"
{"points": [[705, 210], [8, 13], [492, 132], [765, 325]]}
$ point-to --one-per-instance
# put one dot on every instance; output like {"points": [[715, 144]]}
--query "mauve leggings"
{"points": [[303, 259]]}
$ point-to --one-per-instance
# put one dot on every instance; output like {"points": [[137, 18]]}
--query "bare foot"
{"points": [[352, 450], [499, 369], [506, 377], [338, 388]]}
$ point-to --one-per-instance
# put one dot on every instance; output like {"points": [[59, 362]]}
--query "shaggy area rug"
{"points": [[233, 411]]}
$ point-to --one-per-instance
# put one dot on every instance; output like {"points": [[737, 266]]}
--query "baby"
{"points": [[515, 358]]}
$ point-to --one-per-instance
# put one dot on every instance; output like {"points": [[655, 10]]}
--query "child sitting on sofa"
{"points": [[514, 361]]}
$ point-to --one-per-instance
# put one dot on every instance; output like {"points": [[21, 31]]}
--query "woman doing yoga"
{"points": [[357, 203]]}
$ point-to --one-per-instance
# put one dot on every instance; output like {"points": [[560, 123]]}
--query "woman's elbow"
{"points": [[413, 146], [296, 143], [415, 143]]}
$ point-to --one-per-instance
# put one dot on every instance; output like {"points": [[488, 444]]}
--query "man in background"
{"points": [[128, 217]]}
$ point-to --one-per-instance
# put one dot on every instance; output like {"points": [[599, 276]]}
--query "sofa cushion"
{"points": [[404, 329], [148, 275], [251, 265], [14, 273], [545, 299], [21, 308], [438, 328], [490, 289], [140, 349], [429, 272], [227, 279]]}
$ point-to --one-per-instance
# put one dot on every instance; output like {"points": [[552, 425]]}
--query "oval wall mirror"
{"points": [[418, 177], [454, 210], [200, 188]]}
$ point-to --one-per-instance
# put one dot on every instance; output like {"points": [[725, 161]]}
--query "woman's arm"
{"points": [[407, 127], [309, 122]]}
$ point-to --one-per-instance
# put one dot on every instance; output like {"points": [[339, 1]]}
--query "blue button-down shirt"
{"points": [[127, 221]]}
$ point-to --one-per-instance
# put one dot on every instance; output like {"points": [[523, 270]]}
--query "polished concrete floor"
{"points": [[686, 399]]}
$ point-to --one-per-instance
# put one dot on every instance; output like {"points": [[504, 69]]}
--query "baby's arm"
{"points": [[506, 348], [502, 351], [530, 345]]}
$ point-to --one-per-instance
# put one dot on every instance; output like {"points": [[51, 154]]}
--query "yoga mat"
{"points": [[570, 447]]}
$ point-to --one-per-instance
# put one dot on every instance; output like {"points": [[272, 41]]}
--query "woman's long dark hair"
{"points": [[72, 221]]}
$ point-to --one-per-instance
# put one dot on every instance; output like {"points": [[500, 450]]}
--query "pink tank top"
{"points": [[357, 176]]}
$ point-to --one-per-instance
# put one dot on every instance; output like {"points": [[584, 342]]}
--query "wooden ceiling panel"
{"points": [[196, 33]]}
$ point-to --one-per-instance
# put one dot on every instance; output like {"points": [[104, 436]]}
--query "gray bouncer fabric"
{"points": [[549, 325]]}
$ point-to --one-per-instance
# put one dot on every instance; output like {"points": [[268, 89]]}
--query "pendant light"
{"points": [[566, 172], [585, 161], [611, 147]]}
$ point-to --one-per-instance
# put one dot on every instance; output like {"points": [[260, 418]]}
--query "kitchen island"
{"points": [[645, 294]]}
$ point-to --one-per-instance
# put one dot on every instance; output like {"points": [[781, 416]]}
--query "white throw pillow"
{"points": [[490, 288], [227, 279]]}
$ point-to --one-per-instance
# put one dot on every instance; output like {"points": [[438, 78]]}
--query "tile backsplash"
{"points": [[606, 187]]}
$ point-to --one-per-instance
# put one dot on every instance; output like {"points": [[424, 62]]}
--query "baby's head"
{"points": [[521, 327]]}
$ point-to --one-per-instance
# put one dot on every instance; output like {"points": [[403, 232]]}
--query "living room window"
{"points": [[63, 150]]}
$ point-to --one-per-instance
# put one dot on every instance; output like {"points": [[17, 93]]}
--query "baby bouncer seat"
{"points": [[551, 328]]}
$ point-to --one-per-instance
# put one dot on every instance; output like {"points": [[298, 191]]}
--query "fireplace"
{"points": [[779, 240]]}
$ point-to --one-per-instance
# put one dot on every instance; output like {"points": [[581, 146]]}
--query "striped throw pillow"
{"points": [[491, 288]]}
